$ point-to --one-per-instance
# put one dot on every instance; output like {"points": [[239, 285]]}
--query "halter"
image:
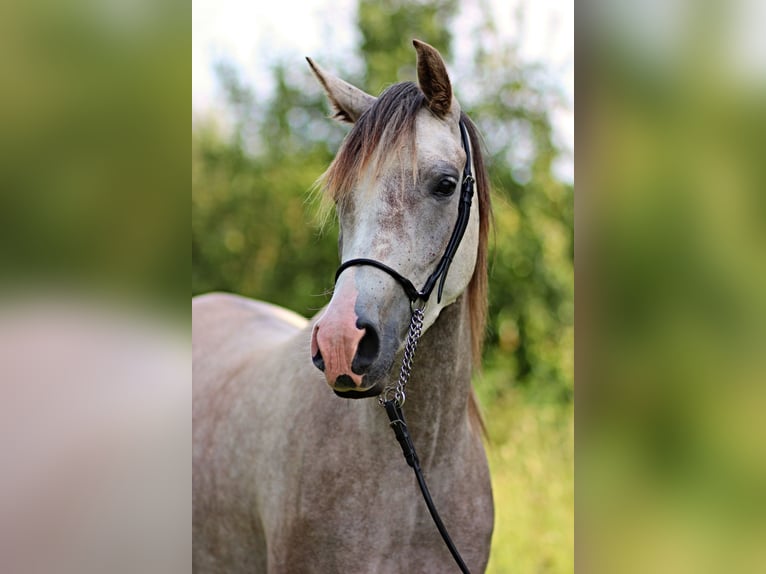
{"points": [[440, 273], [394, 404]]}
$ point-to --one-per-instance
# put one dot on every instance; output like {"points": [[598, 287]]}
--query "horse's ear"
{"points": [[433, 78], [347, 101]]}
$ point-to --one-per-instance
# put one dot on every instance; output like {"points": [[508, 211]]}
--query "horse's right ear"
{"points": [[347, 101]]}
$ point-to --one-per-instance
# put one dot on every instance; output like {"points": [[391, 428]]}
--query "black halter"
{"points": [[440, 273]]}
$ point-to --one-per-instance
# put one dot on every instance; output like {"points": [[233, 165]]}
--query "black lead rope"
{"points": [[396, 416]]}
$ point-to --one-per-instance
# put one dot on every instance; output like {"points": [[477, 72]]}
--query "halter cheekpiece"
{"points": [[440, 273]]}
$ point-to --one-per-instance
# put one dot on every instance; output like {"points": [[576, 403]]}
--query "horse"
{"points": [[290, 476]]}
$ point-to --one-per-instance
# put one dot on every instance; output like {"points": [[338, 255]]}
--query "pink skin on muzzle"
{"points": [[336, 335]]}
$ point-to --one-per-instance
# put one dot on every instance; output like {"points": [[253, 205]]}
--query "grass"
{"points": [[532, 464]]}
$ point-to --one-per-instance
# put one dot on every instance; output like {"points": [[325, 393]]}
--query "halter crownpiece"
{"points": [[440, 273]]}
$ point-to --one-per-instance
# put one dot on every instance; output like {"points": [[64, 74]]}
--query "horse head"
{"points": [[397, 183]]}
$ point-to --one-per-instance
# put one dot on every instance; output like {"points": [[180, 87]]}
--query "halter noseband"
{"points": [[440, 273]]}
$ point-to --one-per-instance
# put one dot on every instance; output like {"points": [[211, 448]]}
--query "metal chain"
{"points": [[413, 336]]}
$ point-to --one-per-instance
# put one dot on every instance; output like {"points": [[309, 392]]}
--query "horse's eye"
{"points": [[445, 187]]}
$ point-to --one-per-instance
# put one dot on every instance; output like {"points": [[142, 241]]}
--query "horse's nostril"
{"points": [[318, 361], [367, 350]]}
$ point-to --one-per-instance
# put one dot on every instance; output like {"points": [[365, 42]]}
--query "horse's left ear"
{"points": [[433, 78], [348, 102]]}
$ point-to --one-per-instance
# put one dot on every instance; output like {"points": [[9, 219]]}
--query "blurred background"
{"points": [[94, 260], [261, 136], [95, 361], [671, 277]]}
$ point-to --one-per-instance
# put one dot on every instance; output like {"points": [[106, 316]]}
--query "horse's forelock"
{"points": [[377, 134]]}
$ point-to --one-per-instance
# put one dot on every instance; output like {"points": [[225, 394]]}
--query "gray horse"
{"points": [[291, 476]]}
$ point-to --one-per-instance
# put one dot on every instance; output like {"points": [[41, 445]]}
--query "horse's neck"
{"points": [[436, 406]]}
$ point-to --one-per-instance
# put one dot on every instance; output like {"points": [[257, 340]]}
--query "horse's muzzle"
{"points": [[355, 340], [349, 385], [345, 348]]}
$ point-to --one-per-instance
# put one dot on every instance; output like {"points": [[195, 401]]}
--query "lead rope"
{"points": [[393, 408]]}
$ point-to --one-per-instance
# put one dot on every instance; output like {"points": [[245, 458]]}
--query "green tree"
{"points": [[251, 222], [387, 29], [532, 266]]}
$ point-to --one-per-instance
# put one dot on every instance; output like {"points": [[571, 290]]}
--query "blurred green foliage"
{"points": [[671, 456], [93, 170], [531, 459], [255, 231], [387, 29]]}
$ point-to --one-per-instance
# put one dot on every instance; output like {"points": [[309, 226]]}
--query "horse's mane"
{"points": [[380, 131]]}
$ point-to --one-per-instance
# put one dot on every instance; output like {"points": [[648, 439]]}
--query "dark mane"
{"points": [[477, 288]]}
